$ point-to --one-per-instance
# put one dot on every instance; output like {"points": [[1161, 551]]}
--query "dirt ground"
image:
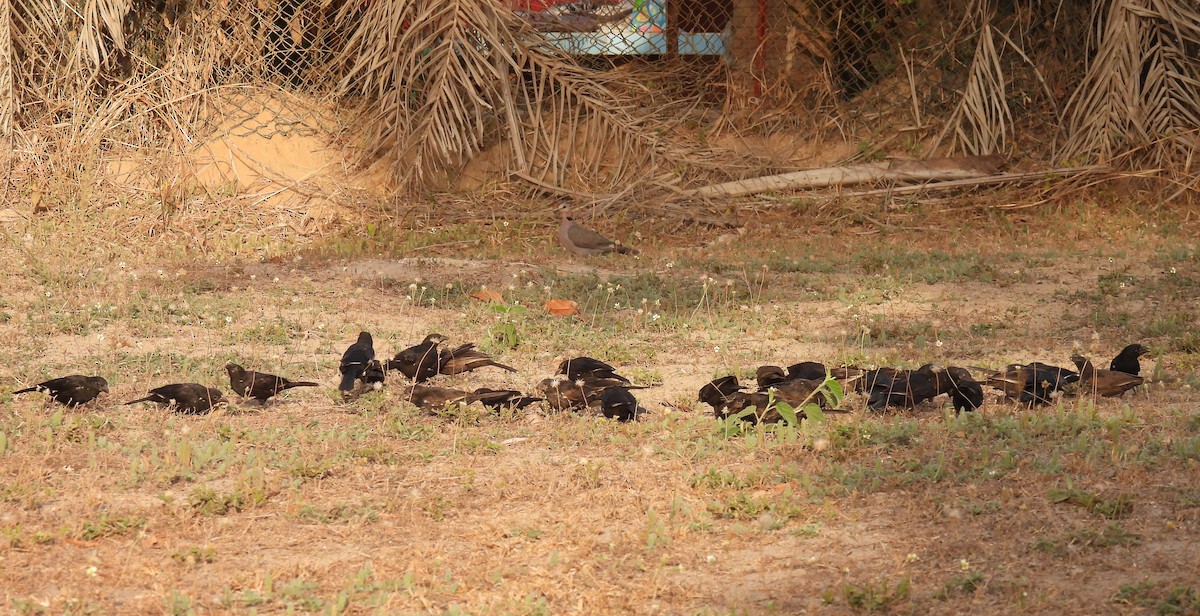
{"points": [[312, 505]]}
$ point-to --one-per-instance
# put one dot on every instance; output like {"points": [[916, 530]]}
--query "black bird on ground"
{"points": [[185, 398], [375, 375], [466, 358], [419, 362], [1127, 360], [436, 398], [1106, 383], [72, 390], [967, 394], [579, 367], [354, 361], [810, 370], [768, 376], [902, 388], [719, 391], [259, 385], [513, 398], [577, 394], [1033, 383], [619, 403]]}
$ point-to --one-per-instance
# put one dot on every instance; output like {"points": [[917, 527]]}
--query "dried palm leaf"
{"points": [[1142, 87]]}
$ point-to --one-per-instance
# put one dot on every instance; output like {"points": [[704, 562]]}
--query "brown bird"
{"points": [[436, 398], [72, 390], [718, 392], [566, 394], [512, 398], [583, 241], [466, 358], [799, 392], [185, 398], [767, 376], [1033, 383], [1106, 383], [419, 362], [580, 367], [259, 385]]}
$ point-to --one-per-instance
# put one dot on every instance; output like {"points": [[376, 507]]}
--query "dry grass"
{"points": [[316, 506]]}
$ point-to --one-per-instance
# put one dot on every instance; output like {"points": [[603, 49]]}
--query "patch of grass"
{"points": [[964, 584], [1163, 598], [1110, 536], [871, 597], [195, 555], [1114, 507], [109, 526]]}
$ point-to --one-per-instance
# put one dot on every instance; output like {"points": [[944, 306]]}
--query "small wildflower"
{"points": [[412, 287], [253, 276], [432, 301], [1172, 270], [320, 326], [546, 288], [91, 571], [229, 319], [641, 311], [275, 279], [617, 305], [938, 343], [710, 558], [912, 557], [47, 294], [505, 223], [160, 272], [529, 284], [449, 286], [121, 265], [655, 317], [512, 287], [716, 348], [964, 565], [670, 264], [408, 297]]}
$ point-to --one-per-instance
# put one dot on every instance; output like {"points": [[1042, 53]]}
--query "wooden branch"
{"points": [[1004, 178], [955, 168]]}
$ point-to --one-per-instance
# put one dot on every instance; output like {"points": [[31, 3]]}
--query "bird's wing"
{"points": [[586, 238]]}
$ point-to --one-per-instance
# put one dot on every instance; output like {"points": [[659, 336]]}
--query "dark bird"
{"points": [[354, 361], [512, 398], [1033, 383], [1127, 360], [799, 392], [579, 367], [259, 385], [1106, 383], [583, 241], [903, 388], [419, 362], [811, 370], [435, 398], [567, 394], [186, 398], [619, 403], [767, 376], [966, 394], [466, 358], [718, 392], [375, 375], [72, 390]]}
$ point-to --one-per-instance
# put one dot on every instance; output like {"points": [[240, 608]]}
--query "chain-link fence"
{"points": [[907, 76]]}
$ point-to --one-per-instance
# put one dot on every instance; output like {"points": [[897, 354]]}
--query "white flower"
{"points": [[617, 305], [912, 557], [253, 276], [964, 565], [412, 287], [938, 343], [90, 571], [655, 317], [229, 319], [505, 223], [47, 294], [121, 265], [717, 348]]}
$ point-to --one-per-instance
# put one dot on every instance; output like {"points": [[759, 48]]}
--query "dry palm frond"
{"points": [[447, 79], [1143, 85], [982, 121], [8, 94]]}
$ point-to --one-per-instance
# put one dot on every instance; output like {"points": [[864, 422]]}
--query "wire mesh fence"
{"points": [[910, 76]]}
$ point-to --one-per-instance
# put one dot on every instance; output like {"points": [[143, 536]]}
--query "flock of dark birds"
{"points": [[1029, 384], [585, 383]]}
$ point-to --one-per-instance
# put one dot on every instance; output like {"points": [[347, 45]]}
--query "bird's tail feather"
{"points": [[347, 383], [25, 391], [291, 384]]}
